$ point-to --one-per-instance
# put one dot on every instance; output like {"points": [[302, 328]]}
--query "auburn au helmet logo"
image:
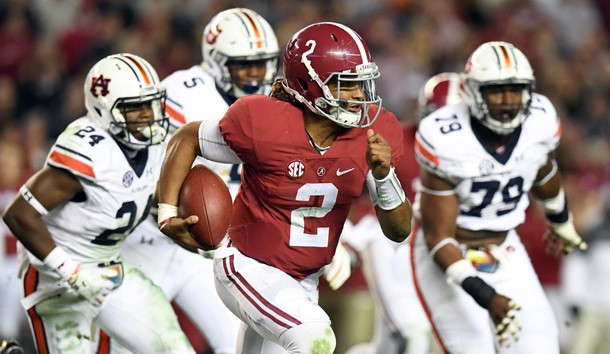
{"points": [[212, 34], [102, 83]]}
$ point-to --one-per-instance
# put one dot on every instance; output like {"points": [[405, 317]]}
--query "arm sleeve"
{"points": [[237, 132], [213, 146]]}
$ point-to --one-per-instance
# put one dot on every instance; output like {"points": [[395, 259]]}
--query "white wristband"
{"points": [[59, 261], [443, 243], [556, 204], [390, 194], [459, 271], [166, 212], [29, 197]]}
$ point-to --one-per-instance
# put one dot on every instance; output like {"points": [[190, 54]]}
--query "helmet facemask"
{"points": [[153, 132], [234, 86], [350, 113], [493, 64], [500, 125], [240, 36]]}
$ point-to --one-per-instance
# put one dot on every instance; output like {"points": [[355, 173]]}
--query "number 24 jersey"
{"points": [[116, 195]]}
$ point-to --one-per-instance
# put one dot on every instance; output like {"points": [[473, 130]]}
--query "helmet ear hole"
{"points": [[332, 35], [303, 84]]}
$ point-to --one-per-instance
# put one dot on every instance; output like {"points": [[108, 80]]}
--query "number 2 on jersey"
{"points": [[298, 237]]}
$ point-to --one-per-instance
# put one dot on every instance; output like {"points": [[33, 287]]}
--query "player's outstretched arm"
{"points": [[392, 207], [439, 211], [562, 237]]}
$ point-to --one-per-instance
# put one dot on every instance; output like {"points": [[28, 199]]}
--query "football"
{"points": [[206, 195]]}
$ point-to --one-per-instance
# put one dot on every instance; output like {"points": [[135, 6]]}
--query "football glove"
{"points": [[93, 283], [339, 269], [509, 326], [562, 238]]}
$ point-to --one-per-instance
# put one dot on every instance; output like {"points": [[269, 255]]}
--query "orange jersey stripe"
{"points": [[30, 281], [559, 130], [104, 344], [174, 114], [426, 153], [418, 291], [257, 33], [142, 71], [72, 163]]}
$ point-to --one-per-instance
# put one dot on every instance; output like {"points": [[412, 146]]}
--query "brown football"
{"points": [[206, 195]]}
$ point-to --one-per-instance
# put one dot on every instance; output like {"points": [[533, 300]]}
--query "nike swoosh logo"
{"points": [[341, 173]]}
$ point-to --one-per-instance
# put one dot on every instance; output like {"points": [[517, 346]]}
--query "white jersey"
{"points": [[491, 186], [192, 96], [116, 195]]}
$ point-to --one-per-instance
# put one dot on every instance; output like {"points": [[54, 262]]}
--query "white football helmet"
{"points": [[125, 79], [239, 35], [497, 63], [440, 90]]}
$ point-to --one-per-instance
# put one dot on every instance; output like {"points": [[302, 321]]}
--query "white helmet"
{"points": [[498, 63], [124, 79], [239, 35], [440, 90]]}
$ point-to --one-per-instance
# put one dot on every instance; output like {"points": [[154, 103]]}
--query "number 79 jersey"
{"points": [[116, 195], [491, 185]]}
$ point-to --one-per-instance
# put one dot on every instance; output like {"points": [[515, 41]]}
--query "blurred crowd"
{"points": [[47, 46]]}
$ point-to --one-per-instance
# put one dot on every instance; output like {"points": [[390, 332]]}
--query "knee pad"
{"points": [[309, 338]]}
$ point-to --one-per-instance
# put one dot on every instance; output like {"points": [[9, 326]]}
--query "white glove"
{"points": [[339, 269], [567, 234], [92, 283]]}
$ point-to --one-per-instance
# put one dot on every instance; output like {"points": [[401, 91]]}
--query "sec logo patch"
{"points": [[127, 179], [295, 169]]}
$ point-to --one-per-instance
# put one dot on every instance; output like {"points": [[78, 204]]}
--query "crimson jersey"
{"points": [[293, 201]]}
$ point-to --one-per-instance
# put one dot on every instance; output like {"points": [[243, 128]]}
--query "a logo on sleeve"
{"points": [[102, 83], [295, 169]]}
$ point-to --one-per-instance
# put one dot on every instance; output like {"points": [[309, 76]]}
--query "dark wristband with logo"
{"points": [[480, 291]]}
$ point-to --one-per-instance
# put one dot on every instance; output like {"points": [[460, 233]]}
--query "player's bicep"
{"points": [[213, 146], [439, 207], [53, 186]]}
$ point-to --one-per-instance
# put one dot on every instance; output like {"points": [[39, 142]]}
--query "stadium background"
{"points": [[47, 46]]}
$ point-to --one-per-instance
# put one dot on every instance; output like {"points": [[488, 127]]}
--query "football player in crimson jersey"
{"points": [[72, 217], [306, 151], [240, 53], [478, 160]]}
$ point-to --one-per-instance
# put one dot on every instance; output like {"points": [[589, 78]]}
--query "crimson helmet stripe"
{"points": [[356, 38]]}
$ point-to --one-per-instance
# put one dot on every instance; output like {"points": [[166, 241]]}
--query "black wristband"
{"points": [[480, 291], [561, 217]]}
